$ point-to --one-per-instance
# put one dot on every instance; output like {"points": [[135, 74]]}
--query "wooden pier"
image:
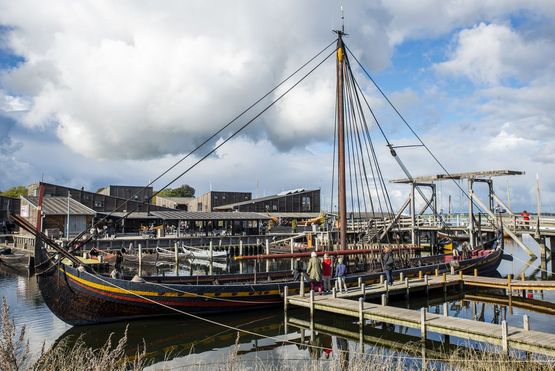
{"points": [[507, 337], [406, 286]]}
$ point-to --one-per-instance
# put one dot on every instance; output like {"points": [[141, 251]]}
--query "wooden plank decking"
{"points": [[517, 338], [409, 286]]}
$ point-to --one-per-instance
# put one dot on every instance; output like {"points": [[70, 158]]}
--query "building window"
{"points": [[199, 206], [305, 203], [98, 203], [274, 207]]}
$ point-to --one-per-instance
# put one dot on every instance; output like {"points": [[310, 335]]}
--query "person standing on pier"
{"points": [[526, 217], [388, 264], [299, 271], [326, 272], [314, 271], [340, 272]]}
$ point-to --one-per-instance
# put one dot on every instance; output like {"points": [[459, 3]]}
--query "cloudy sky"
{"points": [[111, 92]]}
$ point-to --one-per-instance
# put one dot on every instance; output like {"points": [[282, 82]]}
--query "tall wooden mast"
{"points": [[342, 202]]}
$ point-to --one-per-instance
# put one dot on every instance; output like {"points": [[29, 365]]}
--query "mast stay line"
{"points": [[72, 243]]}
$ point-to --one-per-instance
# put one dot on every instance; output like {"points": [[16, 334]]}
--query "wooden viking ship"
{"points": [[79, 296]]}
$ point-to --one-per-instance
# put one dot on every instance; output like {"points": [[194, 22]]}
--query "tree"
{"points": [[15, 192], [184, 191]]}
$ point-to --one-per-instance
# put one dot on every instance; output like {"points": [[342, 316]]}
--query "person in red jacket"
{"points": [[526, 217], [326, 272]]}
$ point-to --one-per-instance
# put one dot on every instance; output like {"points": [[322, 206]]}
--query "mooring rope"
{"points": [[209, 320], [527, 263]]}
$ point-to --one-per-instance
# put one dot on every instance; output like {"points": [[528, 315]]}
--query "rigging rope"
{"points": [[70, 244], [410, 128], [206, 319]]}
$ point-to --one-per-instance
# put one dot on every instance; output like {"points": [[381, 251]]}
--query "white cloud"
{"points": [[490, 53], [10, 103], [417, 19], [138, 83]]}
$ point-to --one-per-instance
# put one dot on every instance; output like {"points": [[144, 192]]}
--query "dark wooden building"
{"points": [[294, 201], [96, 201], [213, 199], [57, 212], [137, 193], [8, 205]]}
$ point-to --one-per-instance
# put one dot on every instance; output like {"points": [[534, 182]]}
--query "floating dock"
{"points": [[507, 337]]}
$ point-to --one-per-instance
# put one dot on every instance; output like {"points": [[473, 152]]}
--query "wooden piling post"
{"points": [[419, 274], [509, 289], [384, 299], [333, 292], [452, 270], [526, 322], [311, 305], [285, 298], [359, 281], [505, 337], [423, 324], [301, 290], [401, 276], [268, 253], [363, 290], [407, 286], [475, 272], [445, 310], [176, 255], [444, 282], [360, 311], [381, 279], [426, 284], [140, 257], [437, 272], [240, 247], [211, 249]]}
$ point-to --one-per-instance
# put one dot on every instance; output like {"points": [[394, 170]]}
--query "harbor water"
{"points": [[261, 336]]}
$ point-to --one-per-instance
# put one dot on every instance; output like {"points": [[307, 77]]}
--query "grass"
{"points": [[15, 354], [76, 356]]}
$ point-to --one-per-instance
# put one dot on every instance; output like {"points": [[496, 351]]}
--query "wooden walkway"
{"points": [[406, 286], [501, 335]]}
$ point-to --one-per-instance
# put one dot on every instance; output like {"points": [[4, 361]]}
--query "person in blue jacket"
{"points": [[340, 273]]}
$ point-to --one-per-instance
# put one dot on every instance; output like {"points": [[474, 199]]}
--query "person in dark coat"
{"points": [[299, 270], [388, 264]]}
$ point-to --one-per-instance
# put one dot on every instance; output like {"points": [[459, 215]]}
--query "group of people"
{"points": [[320, 272]]}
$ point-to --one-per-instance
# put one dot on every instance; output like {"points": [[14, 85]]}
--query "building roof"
{"points": [[295, 215], [59, 206], [134, 215], [207, 215], [267, 198], [471, 175], [177, 200]]}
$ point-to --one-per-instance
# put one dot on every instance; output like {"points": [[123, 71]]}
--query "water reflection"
{"points": [[183, 341]]}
